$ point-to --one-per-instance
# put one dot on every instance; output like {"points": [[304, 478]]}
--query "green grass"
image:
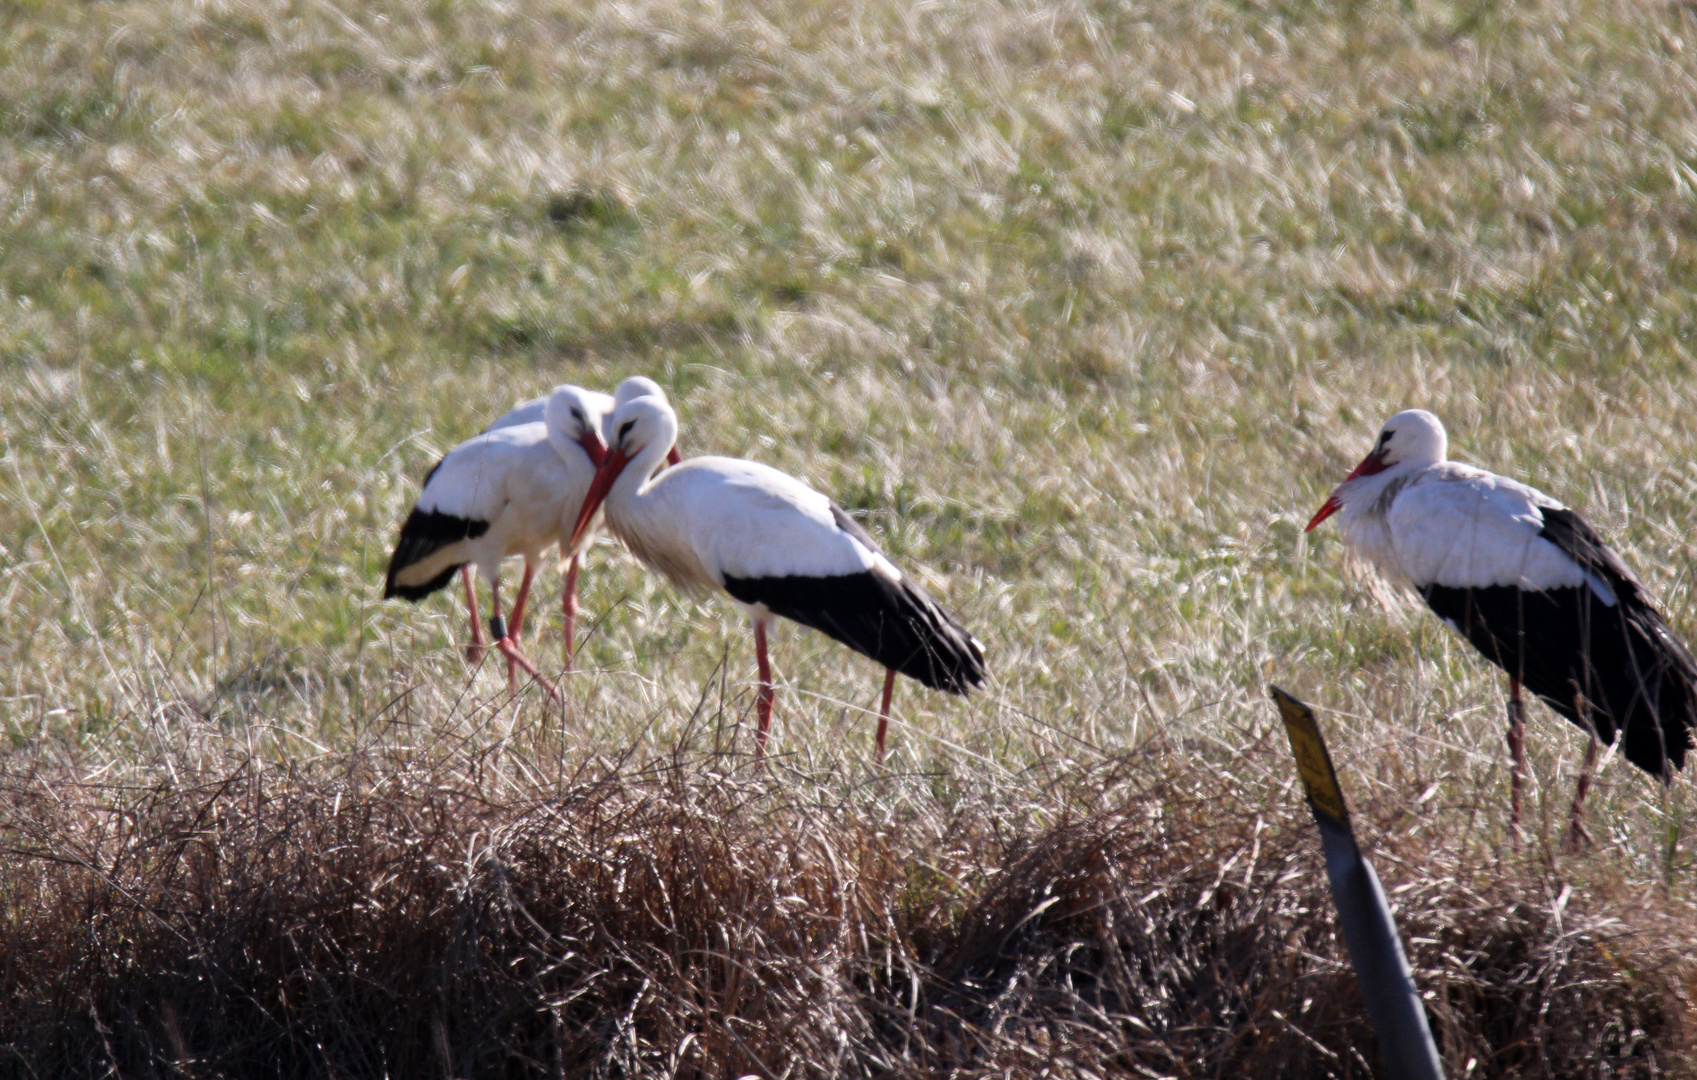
{"points": [[1083, 307]]}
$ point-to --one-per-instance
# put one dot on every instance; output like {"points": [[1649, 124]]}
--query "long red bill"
{"points": [[1372, 463], [1327, 509], [611, 466], [594, 447], [672, 456]]}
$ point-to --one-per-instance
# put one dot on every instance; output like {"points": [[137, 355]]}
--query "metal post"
{"points": [[1369, 932]]}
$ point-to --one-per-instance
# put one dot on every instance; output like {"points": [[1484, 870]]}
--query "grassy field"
{"points": [[1082, 307]]}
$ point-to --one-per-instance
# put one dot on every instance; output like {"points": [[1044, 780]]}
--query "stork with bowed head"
{"points": [[531, 411], [776, 547], [506, 492], [1531, 585]]}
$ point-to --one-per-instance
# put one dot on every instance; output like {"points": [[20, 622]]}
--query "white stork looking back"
{"points": [[1530, 584], [511, 491], [776, 547]]}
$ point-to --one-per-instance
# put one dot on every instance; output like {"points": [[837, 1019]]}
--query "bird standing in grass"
{"points": [[1530, 584], [776, 547], [533, 411], [511, 491]]}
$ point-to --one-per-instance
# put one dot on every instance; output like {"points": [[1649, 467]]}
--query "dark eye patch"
{"points": [[624, 429]]}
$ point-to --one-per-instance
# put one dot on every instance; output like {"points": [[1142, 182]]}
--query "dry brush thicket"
{"points": [[477, 914], [1081, 306]]}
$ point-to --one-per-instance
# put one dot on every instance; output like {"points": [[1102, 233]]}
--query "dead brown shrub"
{"points": [[705, 917]]}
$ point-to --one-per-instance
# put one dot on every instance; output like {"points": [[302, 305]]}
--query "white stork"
{"points": [[530, 412], [533, 411], [1530, 584], [509, 491], [776, 547]]}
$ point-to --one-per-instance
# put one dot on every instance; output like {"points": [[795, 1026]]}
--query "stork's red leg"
{"points": [[884, 709], [473, 651], [515, 658], [516, 627], [499, 631], [1577, 834], [763, 701], [518, 659], [1517, 754], [568, 610]]}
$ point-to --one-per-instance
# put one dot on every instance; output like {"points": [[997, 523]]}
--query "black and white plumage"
{"points": [[776, 547], [434, 534], [514, 490], [1529, 583]]}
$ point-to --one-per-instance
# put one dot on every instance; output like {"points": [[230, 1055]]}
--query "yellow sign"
{"points": [[1312, 762]]}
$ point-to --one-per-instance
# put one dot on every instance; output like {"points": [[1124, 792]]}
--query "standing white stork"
{"points": [[533, 411], [509, 491], [1530, 584], [776, 547]]}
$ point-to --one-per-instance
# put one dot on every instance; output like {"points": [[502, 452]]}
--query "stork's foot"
{"points": [[475, 652], [516, 660]]}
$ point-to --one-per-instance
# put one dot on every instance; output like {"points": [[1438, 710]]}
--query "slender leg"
{"points": [[762, 702], [884, 710], [1517, 753], [501, 632], [515, 659], [511, 652], [568, 609], [473, 651], [1577, 834], [516, 627]]}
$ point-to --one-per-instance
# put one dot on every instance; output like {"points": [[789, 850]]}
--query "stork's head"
{"points": [[639, 422], [644, 430], [1413, 438], [638, 386], [572, 416]]}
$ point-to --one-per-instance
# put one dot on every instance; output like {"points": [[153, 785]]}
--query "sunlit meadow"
{"points": [[1080, 307]]}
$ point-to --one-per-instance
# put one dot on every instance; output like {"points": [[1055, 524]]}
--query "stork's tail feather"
{"points": [[421, 563], [1657, 697], [1612, 668], [416, 593], [891, 621], [942, 654]]}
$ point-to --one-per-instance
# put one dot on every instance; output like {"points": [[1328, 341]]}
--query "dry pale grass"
{"points": [[482, 914]]}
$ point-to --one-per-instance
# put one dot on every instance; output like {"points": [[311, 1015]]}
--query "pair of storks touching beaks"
{"points": [[545, 473], [1526, 580]]}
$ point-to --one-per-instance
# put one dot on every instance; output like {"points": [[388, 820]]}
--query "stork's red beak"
{"points": [[594, 447], [672, 455], [611, 466], [1327, 509], [1372, 463]]}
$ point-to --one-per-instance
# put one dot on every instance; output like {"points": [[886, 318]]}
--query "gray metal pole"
{"points": [[1369, 932]]}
